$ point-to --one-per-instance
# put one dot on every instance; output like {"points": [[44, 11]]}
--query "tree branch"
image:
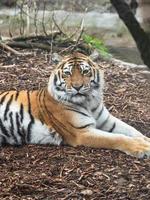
{"points": [[8, 48]]}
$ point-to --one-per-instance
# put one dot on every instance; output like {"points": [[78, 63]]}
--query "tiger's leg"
{"points": [[122, 127], [111, 124], [100, 139]]}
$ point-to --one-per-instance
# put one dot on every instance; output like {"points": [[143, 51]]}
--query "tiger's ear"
{"points": [[95, 56], [56, 58]]}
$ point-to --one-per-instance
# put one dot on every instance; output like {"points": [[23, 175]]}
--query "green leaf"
{"points": [[96, 44]]}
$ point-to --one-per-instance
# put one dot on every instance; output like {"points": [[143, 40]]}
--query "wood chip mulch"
{"points": [[48, 172]]}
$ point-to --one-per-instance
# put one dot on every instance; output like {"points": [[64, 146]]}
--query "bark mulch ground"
{"points": [[50, 172]]}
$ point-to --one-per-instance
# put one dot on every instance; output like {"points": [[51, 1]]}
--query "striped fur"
{"points": [[70, 110]]}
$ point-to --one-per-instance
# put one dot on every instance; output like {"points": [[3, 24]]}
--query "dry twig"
{"points": [[8, 48], [58, 27]]}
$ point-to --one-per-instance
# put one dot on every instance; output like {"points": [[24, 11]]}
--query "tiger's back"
{"points": [[21, 121]]}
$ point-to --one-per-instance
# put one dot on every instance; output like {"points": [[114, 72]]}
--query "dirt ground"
{"points": [[49, 172]]}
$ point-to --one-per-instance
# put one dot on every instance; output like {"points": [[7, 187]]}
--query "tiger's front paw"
{"points": [[139, 148]]}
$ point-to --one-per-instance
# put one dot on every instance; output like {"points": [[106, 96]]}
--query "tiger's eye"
{"points": [[67, 73], [86, 71]]}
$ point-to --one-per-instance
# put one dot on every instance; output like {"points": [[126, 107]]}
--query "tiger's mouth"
{"points": [[80, 94], [78, 98]]}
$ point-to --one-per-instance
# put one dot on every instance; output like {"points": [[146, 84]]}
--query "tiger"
{"points": [[69, 111]]}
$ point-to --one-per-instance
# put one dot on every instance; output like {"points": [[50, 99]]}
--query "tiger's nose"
{"points": [[77, 87]]}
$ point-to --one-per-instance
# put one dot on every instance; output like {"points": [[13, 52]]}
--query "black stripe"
{"points": [[113, 127], [94, 73], [31, 118], [2, 92], [24, 136], [98, 78], [100, 113], [40, 116], [77, 111], [39, 94], [3, 129], [28, 137], [59, 75], [3, 98], [47, 112], [29, 102], [12, 128], [17, 94], [53, 133], [42, 111], [96, 86], [20, 133], [7, 107], [61, 66], [18, 125], [94, 109], [106, 120], [81, 127], [21, 112], [55, 79], [3, 141], [60, 89], [42, 100]]}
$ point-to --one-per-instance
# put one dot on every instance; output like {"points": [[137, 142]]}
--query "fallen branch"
{"points": [[35, 37], [64, 47], [29, 45], [51, 42], [8, 48]]}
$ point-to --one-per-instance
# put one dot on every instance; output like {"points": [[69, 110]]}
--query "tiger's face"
{"points": [[75, 78]]}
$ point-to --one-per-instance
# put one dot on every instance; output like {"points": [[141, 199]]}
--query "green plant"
{"points": [[97, 44]]}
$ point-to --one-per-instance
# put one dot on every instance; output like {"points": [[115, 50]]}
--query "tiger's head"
{"points": [[75, 79]]}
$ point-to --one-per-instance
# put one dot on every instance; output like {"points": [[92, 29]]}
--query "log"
{"points": [[8, 48]]}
